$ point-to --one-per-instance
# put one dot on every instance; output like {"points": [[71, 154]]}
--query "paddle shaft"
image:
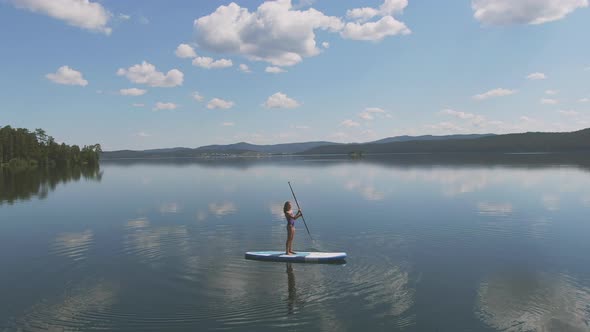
{"points": [[292, 192]]}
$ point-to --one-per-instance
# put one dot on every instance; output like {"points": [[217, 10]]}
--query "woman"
{"points": [[290, 226]]}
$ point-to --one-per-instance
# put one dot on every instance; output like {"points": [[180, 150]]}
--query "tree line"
{"points": [[20, 147]]}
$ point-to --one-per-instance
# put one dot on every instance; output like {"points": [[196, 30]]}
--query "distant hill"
{"points": [[241, 148], [509, 143], [406, 138], [287, 148], [525, 142]]}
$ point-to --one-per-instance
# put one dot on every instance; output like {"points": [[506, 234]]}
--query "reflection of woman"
{"points": [[290, 226], [291, 288]]}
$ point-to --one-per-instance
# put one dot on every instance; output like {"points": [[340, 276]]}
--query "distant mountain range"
{"points": [[247, 148], [406, 138], [509, 143]]}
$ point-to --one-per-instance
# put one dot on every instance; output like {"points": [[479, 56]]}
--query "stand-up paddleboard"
{"points": [[300, 256]]}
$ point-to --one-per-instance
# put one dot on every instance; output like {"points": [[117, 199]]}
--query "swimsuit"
{"points": [[290, 220]]}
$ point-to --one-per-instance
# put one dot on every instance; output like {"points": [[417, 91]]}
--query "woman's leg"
{"points": [[289, 239]]}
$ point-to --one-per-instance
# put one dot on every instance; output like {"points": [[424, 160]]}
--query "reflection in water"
{"points": [[551, 202], [292, 289], [73, 245], [494, 209], [152, 244], [138, 223], [180, 274], [533, 301], [169, 208], [369, 192], [222, 209], [276, 210], [38, 182]]}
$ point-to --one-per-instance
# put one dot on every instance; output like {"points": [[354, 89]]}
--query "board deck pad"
{"points": [[300, 256]]}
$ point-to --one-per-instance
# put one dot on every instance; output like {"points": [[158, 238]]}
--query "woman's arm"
{"points": [[297, 215]]}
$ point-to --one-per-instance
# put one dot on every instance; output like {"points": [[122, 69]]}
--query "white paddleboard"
{"points": [[300, 256]]}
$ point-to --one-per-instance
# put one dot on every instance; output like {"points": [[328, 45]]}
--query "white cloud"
{"points": [[389, 7], [142, 134], [281, 100], [124, 17], [446, 127], [548, 101], [68, 76], [302, 127], [349, 123], [165, 106], [244, 68], [505, 12], [274, 70], [143, 20], [273, 33], [362, 14], [79, 13], [326, 45], [494, 93], [568, 112], [536, 76], [146, 73], [197, 96], [583, 100], [228, 124], [387, 25], [458, 114], [370, 113], [209, 63], [375, 31], [138, 105], [132, 92], [219, 103], [473, 119], [551, 92], [185, 51]]}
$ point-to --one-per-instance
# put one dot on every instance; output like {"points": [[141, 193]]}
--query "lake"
{"points": [[492, 243]]}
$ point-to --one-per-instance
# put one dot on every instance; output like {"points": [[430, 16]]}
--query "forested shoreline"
{"points": [[22, 148]]}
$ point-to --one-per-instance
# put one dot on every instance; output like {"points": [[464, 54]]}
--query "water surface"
{"points": [[443, 244]]}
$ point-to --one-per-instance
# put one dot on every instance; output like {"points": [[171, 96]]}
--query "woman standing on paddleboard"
{"points": [[290, 226]]}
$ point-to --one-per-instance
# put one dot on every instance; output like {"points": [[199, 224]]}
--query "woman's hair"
{"points": [[287, 206]]}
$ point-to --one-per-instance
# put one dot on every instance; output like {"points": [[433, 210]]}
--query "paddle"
{"points": [[292, 192]]}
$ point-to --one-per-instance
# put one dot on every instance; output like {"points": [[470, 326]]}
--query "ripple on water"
{"points": [[151, 244], [532, 301], [73, 245], [76, 310]]}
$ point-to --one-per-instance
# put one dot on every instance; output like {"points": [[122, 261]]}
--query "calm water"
{"points": [[446, 245]]}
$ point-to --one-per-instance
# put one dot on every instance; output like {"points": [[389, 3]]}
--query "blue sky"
{"points": [[114, 72]]}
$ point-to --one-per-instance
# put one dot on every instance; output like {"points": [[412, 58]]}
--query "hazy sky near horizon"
{"points": [[153, 74]]}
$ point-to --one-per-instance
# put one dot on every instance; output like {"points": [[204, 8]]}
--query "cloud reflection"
{"points": [[551, 202], [494, 209], [367, 191], [170, 208], [276, 210], [152, 244], [222, 209], [73, 245]]}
